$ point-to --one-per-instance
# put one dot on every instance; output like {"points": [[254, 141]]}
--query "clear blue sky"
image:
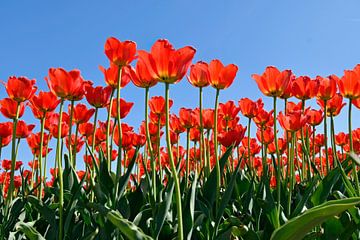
{"points": [[310, 37]]}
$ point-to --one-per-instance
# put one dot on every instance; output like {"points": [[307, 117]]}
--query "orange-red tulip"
{"points": [[20, 89], [327, 87], [249, 108], [273, 82], [187, 118], [8, 108], [157, 105], [23, 130], [228, 111], [112, 74], [292, 121], [341, 139], [120, 53], [199, 74], [81, 113], [6, 129], [166, 64], [304, 88], [125, 108], [232, 137], [43, 103], [315, 117], [141, 76], [86, 129], [349, 84], [221, 77], [333, 106], [98, 97], [66, 85]]}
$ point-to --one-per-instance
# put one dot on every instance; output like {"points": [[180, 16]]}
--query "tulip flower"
{"points": [[120, 53], [124, 106], [98, 97], [20, 89], [304, 88], [232, 137]]}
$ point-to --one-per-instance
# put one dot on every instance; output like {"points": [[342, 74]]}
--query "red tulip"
{"points": [[199, 74], [292, 121], [349, 84], [157, 105], [333, 106], [327, 87], [6, 164], [187, 117], [228, 111], [112, 75], [164, 63], [98, 97], [176, 125], [315, 117], [221, 77], [86, 129], [81, 114], [341, 139], [263, 118], [43, 103], [33, 141], [66, 85], [6, 129], [267, 135], [273, 82], [79, 142], [232, 137], [20, 89], [141, 77], [52, 124], [208, 118], [356, 102], [23, 130], [304, 88], [120, 53], [125, 108], [249, 108], [8, 108]]}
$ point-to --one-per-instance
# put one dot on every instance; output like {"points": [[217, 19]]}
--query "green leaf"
{"points": [[208, 190], [325, 187], [189, 210], [45, 211], [105, 180], [29, 230], [304, 198], [355, 158], [125, 178], [298, 227]]}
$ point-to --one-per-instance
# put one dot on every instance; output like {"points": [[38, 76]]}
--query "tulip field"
{"points": [[185, 174]]}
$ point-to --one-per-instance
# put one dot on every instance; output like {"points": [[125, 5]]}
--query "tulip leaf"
{"points": [[30, 232], [125, 178], [299, 226], [355, 158], [325, 187]]}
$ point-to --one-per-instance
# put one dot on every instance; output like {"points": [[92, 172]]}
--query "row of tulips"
{"points": [[301, 156]]}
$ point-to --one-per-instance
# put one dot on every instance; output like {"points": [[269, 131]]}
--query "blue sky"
{"points": [[310, 37]]}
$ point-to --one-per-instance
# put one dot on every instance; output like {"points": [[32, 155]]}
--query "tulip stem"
{"points": [[59, 162], [325, 138], [173, 167], [108, 150], [279, 161], [94, 131], [13, 156], [355, 175], [187, 156], [70, 132], [292, 173], [42, 123], [148, 139], [217, 166], [201, 147], [252, 172], [75, 144], [119, 157], [332, 130]]}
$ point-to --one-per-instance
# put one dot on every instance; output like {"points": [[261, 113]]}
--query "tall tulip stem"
{"points": [[42, 123], [279, 161], [325, 138], [173, 167], [13, 156], [355, 175], [108, 149], [217, 166], [119, 157], [59, 163]]}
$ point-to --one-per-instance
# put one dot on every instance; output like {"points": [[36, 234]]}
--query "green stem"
{"points": [[13, 156], [93, 135], [187, 155], [59, 162], [355, 175], [148, 139], [279, 161], [252, 172], [332, 128], [75, 145], [158, 149], [217, 166], [119, 157], [292, 173], [325, 138], [173, 168], [201, 147], [70, 132], [42, 123], [108, 150]]}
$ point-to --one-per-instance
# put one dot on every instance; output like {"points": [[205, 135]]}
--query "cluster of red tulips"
{"points": [[296, 156]]}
